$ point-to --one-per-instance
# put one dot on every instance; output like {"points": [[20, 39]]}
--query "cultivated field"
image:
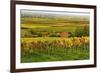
{"points": [[54, 38]]}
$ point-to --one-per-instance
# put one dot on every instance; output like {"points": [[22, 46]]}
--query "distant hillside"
{"points": [[54, 15]]}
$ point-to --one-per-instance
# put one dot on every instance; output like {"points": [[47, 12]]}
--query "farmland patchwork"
{"points": [[50, 36]]}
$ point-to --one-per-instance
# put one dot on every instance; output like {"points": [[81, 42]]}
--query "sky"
{"points": [[53, 13]]}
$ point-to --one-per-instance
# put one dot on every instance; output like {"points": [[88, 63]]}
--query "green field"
{"points": [[41, 38]]}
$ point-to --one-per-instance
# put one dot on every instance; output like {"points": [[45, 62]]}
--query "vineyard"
{"points": [[54, 38], [55, 49]]}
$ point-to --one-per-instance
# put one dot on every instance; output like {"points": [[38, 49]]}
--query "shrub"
{"points": [[82, 31]]}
